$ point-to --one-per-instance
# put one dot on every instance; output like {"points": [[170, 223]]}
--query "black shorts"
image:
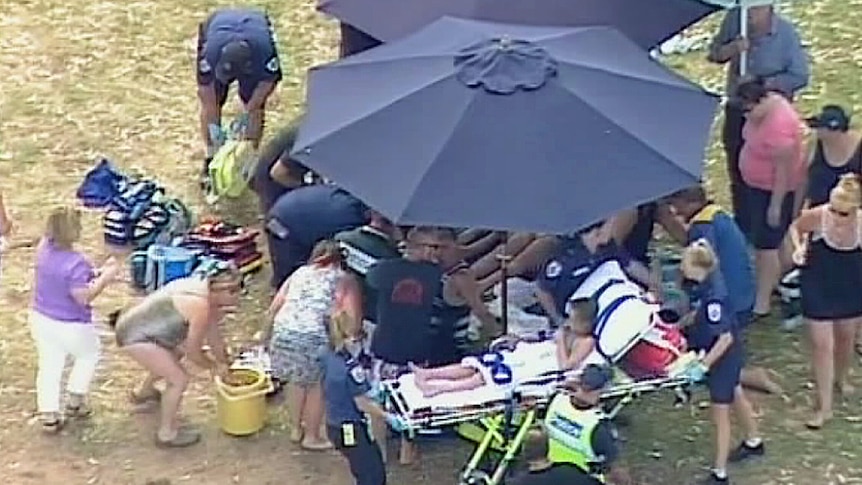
{"points": [[761, 235]]}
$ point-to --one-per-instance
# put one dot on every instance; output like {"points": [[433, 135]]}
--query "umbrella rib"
{"points": [[421, 179], [381, 107], [624, 75], [684, 84]]}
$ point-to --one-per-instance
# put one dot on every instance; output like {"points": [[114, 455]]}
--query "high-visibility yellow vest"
{"points": [[570, 433]]}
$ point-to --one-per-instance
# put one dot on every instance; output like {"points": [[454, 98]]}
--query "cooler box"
{"points": [[167, 263]]}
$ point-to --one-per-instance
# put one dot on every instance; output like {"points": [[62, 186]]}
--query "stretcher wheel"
{"points": [[476, 477]]}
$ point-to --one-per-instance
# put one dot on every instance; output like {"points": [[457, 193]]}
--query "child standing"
{"points": [[62, 318], [715, 331]]}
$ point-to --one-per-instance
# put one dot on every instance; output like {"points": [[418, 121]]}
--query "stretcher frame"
{"points": [[523, 405]]}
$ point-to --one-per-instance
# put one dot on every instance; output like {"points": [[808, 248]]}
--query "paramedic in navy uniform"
{"points": [[235, 45], [714, 331], [577, 258], [348, 397]]}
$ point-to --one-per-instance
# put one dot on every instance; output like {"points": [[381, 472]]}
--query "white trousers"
{"points": [[55, 341]]}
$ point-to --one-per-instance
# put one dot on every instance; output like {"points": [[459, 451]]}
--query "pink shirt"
{"points": [[782, 128]]}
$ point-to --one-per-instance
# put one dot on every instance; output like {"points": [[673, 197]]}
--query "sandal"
{"points": [[817, 422], [139, 399], [79, 411], [185, 437], [52, 426], [316, 445]]}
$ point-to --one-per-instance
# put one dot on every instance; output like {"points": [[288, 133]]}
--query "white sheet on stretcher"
{"points": [[529, 363]]}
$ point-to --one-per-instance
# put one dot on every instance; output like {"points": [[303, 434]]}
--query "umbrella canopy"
{"points": [[647, 22], [474, 124]]}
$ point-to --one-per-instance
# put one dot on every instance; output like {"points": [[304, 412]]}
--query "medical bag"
{"points": [[658, 348]]}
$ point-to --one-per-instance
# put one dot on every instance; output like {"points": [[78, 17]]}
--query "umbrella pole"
{"points": [[743, 32], [504, 258]]}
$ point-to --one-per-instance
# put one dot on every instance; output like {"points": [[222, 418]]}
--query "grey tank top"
{"points": [[156, 319]]}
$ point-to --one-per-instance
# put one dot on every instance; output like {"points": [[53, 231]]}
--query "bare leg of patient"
{"points": [[450, 372], [529, 258], [431, 388]]}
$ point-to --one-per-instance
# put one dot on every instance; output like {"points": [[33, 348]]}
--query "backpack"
{"points": [[131, 217], [101, 185], [233, 166]]}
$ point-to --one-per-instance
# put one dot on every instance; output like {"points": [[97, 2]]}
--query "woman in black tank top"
{"points": [[838, 151]]}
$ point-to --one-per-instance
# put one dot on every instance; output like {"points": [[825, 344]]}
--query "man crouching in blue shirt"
{"points": [[235, 45], [714, 331]]}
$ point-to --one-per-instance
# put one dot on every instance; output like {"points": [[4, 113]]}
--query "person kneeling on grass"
{"points": [[176, 319], [574, 344], [714, 331], [348, 399]]}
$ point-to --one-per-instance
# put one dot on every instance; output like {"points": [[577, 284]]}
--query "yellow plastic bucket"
{"points": [[241, 405]]}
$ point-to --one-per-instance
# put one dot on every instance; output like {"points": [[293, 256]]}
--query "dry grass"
{"points": [[82, 78]]}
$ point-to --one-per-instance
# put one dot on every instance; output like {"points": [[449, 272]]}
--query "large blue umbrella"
{"points": [[647, 22], [474, 124]]}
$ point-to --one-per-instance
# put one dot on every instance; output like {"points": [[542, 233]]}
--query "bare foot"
{"points": [[819, 420], [427, 389], [845, 389], [316, 444], [417, 371]]}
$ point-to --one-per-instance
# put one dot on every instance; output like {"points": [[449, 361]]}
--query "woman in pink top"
{"points": [[62, 319], [772, 163]]}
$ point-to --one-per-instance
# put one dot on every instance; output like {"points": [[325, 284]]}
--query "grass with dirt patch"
{"points": [[83, 78]]}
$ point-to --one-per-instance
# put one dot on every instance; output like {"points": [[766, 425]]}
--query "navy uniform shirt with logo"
{"points": [[573, 264], [714, 317], [230, 25], [344, 378], [302, 217]]}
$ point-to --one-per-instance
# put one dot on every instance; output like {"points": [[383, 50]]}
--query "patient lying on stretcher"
{"points": [[573, 347]]}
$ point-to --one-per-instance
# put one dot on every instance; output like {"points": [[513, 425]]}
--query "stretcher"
{"points": [[628, 326]]}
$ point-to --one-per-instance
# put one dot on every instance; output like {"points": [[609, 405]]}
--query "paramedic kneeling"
{"points": [[347, 394], [579, 432], [714, 332]]}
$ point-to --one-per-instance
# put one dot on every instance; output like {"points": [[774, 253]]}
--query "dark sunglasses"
{"points": [[839, 213]]}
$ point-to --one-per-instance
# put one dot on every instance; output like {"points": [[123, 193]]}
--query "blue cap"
{"points": [[831, 117], [595, 377]]}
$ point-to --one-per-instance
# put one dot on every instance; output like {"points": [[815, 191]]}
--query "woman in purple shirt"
{"points": [[62, 318]]}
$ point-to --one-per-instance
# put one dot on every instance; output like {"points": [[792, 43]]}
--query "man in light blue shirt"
{"points": [[774, 54]]}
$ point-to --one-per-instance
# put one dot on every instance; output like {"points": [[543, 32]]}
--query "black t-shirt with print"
{"points": [[405, 297]]}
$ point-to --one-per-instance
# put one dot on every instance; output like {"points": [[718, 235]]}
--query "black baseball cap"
{"points": [[233, 60], [831, 117], [595, 377]]}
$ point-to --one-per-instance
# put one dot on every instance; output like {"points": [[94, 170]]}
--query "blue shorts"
{"points": [[724, 375]]}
